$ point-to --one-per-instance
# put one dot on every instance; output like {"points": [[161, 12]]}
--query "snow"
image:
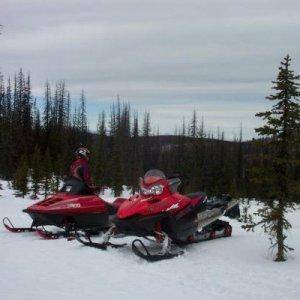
{"points": [[239, 267]]}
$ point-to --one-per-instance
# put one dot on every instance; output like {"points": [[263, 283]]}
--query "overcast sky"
{"points": [[167, 56]]}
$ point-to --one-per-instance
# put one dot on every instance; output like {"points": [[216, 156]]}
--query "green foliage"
{"points": [[47, 173], [37, 173], [99, 163], [20, 181], [135, 168], [273, 171], [116, 171], [246, 216]]}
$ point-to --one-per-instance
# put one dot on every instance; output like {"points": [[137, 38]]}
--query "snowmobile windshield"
{"points": [[153, 176], [149, 184], [155, 173]]}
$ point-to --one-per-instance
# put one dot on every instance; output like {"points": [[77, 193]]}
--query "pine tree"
{"points": [[47, 173], [99, 156], [181, 155], [2, 121], [135, 156], [47, 107], [20, 181], [195, 155], [146, 145], [281, 125], [240, 164], [83, 127], [116, 170], [193, 128], [36, 174]]}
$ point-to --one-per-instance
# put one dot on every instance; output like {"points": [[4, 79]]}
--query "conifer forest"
{"points": [[37, 143]]}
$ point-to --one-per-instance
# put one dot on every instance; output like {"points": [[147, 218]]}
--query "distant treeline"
{"points": [[39, 144]]}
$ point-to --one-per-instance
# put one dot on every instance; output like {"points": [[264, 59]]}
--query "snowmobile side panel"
{"points": [[140, 226], [80, 220], [184, 223], [182, 228], [69, 205]]}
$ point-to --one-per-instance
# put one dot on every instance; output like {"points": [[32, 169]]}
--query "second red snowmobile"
{"points": [[73, 207], [171, 219]]}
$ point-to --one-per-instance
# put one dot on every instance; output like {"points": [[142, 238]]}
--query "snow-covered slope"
{"points": [[239, 267]]}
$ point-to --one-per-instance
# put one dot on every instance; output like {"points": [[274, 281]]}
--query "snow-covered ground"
{"points": [[239, 267]]}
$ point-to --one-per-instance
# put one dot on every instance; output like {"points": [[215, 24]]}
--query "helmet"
{"points": [[82, 151]]}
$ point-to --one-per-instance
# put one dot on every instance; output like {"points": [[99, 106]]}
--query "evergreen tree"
{"points": [[195, 156], [36, 174], [280, 129], [240, 165], [193, 129], [47, 173], [99, 155], [20, 181], [146, 145], [47, 107], [83, 127], [135, 157], [116, 170]]}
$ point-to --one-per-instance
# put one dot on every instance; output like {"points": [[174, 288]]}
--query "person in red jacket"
{"points": [[79, 168]]}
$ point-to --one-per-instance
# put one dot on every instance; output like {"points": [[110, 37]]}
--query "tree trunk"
{"points": [[279, 234]]}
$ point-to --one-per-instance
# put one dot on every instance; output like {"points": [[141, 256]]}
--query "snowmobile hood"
{"points": [[67, 204], [151, 205]]}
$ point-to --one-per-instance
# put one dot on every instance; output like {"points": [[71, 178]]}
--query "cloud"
{"points": [[154, 53]]}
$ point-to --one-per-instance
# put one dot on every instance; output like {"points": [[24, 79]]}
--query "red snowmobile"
{"points": [[73, 207], [172, 219]]}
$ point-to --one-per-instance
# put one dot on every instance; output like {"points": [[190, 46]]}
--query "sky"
{"points": [[168, 57]]}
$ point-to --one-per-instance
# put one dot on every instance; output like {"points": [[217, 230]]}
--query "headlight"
{"points": [[154, 190], [157, 189]]}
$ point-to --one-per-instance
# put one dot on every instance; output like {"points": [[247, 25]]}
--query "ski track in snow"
{"points": [[239, 267]]}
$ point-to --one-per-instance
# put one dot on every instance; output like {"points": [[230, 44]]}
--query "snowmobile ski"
{"points": [[145, 254], [49, 235], [9, 226], [88, 242]]}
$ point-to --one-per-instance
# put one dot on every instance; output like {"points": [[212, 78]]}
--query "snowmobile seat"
{"points": [[196, 195], [218, 201], [76, 187]]}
